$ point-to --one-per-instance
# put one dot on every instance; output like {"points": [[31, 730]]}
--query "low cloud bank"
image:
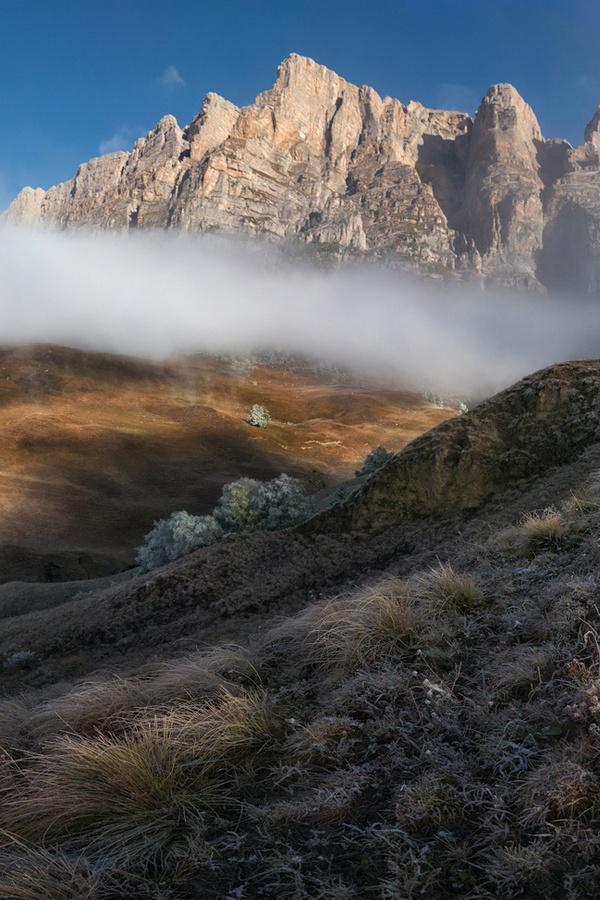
{"points": [[156, 295]]}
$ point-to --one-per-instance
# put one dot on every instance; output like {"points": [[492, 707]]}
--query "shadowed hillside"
{"points": [[96, 447]]}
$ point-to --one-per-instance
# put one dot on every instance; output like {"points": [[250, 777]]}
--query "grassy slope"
{"points": [[431, 734], [431, 731], [132, 441]]}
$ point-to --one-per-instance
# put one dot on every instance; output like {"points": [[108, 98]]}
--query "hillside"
{"points": [[409, 707], [317, 161], [96, 447]]}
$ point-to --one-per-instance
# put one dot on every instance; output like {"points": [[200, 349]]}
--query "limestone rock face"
{"points": [[503, 204], [570, 257], [26, 208], [323, 162]]}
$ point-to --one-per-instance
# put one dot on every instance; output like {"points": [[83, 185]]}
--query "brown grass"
{"points": [[521, 669], [140, 797], [145, 417], [89, 706], [560, 790], [44, 875], [369, 626], [544, 530], [104, 704], [429, 802], [444, 587], [231, 727], [201, 674]]}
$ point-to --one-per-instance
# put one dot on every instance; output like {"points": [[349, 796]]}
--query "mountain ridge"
{"points": [[321, 161]]}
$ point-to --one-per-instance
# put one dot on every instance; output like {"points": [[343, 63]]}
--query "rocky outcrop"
{"points": [[543, 421], [321, 161]]}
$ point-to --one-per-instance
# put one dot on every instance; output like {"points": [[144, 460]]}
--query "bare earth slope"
{"points": [[321, 161], [95, 447]]}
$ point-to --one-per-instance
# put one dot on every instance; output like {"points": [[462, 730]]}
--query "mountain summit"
{"points": [[322, 161]]}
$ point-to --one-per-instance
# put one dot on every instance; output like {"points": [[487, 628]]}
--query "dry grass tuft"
{"points": [[446, 588], [558, 791], [324, 741], [230, 727], [430, 802], [332, 801], [370, 626], [42, 875], [515, 867], [522, 668], [88, 707], [543, 531], [587, 498], [101, 705], [201, 674], [138, 799], [14, 723]]}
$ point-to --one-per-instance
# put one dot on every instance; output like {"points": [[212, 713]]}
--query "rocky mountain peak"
{"points": [[319, 160], [592, 129], [504, 110]]}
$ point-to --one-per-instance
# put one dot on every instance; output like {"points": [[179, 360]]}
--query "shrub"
{"points": [[259, 416], [374, 460], [435, 400], [20, 659], [245, 505], [248, 505], [174, 537]]}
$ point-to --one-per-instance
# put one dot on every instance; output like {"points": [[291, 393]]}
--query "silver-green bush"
{"points": [[174, 537], [245, 505], [374, 460], [249, 505], [259, 416]]}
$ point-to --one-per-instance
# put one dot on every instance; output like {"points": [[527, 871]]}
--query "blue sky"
{"points": [[78, 77]]}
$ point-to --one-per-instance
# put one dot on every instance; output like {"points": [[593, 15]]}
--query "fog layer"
{"points": [[156, 295]]}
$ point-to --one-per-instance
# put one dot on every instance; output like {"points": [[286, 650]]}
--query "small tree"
{"points": [[245, 505], [281, 502], [374, 460], [250, 505], [259, 416], [236, 508], [174, 537]]}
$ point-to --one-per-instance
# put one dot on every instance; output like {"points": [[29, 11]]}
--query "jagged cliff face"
{"points": [[321, 161]]}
